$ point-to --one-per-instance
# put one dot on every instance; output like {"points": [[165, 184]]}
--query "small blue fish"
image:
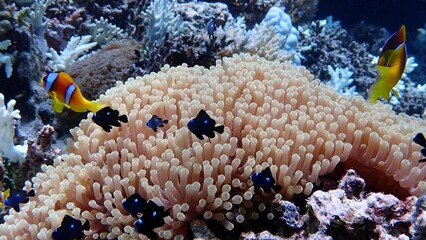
{"points": [[211, 28], [203, 124], [13, 197], [420, 139], [156, 122], [135, 204], [70, 229], [265, 181], [153, 217], [107, 117], [152, 214]]}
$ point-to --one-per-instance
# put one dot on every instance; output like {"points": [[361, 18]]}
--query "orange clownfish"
{"points": [[65, 93], [390, 66], [296, 15]]}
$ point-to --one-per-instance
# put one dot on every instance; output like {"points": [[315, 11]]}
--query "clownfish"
{"points": [[65, 93], [296, 15], [390, 66]]}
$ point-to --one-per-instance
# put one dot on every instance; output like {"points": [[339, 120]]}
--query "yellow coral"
{"points": [[274, 114]]}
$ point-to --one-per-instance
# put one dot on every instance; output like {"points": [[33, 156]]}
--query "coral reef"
{"points": [[376, 216], [283, 119], [307, 7], [340, 214], [274, 38], [325, 43], [39, 152], [160, 19], [75, 49], [103, 68]]}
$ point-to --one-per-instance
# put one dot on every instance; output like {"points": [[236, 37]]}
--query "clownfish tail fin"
{"points": [[93, 106]]}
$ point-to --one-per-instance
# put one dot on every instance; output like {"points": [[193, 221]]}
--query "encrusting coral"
{"points": [[274, 115]]}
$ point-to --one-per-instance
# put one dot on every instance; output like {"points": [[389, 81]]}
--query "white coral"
{"points": [[8, 118], [76, 47], [341, 80], [103, 31], [36, 16], [6, 59], [161, 19], [274, 38]]}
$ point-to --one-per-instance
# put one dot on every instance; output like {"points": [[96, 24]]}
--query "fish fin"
{"points": [[423, 151], [422, 160], [123, 118], [165, 121], [395, 93], [16, 207], [203, 114], [93, 106], [6, 193], [31, 193], [199, 136], [219, 129], [86, 225], [419, 139], [380, 88], [210, 134], [277, 188], [58, 106], [395, 40]]}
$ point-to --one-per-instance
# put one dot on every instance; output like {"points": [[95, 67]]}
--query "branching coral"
{"points": [[274, 114], [76, 47], [274, 38], [104, 32], [8, 118], [6, 59], [326, 43], [161, 20]]}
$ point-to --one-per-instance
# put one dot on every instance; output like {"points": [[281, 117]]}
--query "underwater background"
{"points": [[233, 119]]}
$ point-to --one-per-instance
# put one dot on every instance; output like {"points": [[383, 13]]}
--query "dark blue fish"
{"points": [[156, 122], [203, 124], [265, 181], [420, 139], [153, 217], [107, 117], [211, 28], [135, 204], [13, 197], [70, 228]]}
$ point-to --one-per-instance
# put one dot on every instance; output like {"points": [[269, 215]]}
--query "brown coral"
{"points": [[274, 115], [100, 70]]}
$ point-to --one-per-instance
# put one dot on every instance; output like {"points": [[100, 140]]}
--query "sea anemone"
{"points": [[274, 115]]}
